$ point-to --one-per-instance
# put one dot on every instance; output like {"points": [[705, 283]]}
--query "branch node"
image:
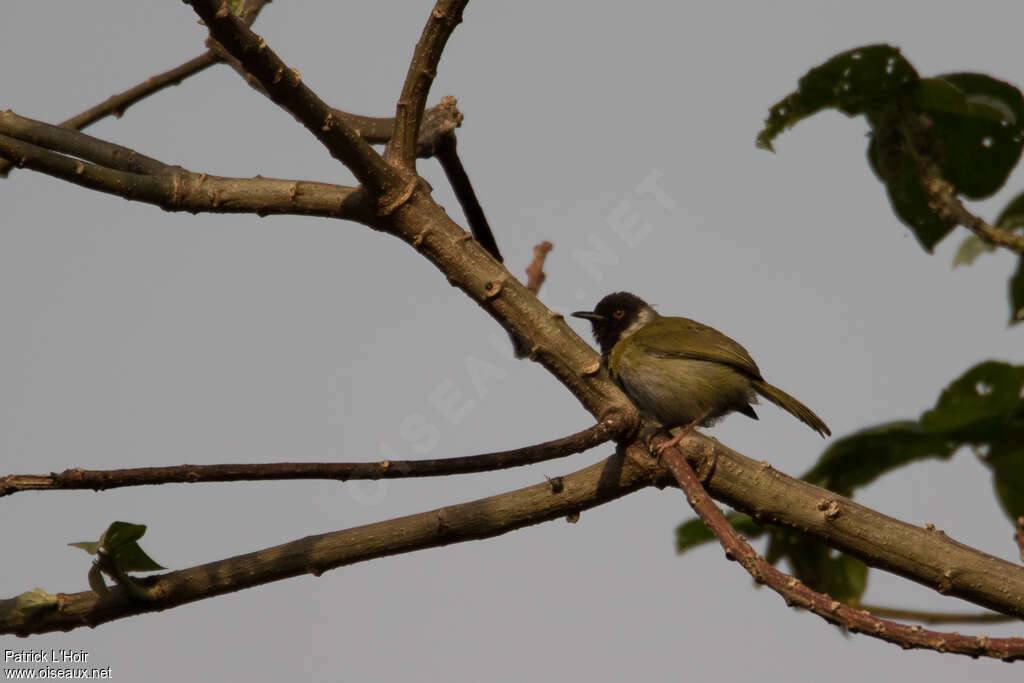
{"points": [[417, 241], [493, 288], [591, 369], [390, 201]]}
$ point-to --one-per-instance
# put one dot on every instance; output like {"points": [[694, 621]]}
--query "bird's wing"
{"points": [[685, 338]]}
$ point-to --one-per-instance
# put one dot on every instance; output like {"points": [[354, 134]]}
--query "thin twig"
{"points": [[943, 198], [446, 15], [448, 156], [796, 594], [485, 518], [535, 275], [98, 480], [285, 88], [935, 617], [117, 105]]}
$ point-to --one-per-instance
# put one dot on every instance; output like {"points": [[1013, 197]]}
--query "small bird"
{"points": [[679, 372]]}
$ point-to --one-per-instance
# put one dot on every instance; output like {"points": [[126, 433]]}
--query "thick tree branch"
{"points": [[446, 15], [799, 595], [922, 554], [484, 518], [67, 141], [176, 189], [285, 88], [99, 480]]}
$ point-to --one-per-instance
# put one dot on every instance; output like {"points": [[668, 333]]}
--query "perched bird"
{"points": [[679, 372]]}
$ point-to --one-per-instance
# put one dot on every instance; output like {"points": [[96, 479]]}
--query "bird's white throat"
{"points": [[643, 316]]}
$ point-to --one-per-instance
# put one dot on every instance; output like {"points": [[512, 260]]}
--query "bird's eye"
{"points": [[619, 314]]}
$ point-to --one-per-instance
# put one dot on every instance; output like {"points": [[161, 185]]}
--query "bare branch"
{"points": [[484, 518], [446, 15], [99, 480], [67, 141], [285, 88], [177, 189], [799, 595]]}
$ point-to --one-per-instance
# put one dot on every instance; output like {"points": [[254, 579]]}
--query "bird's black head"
{"points": [[616, 316]]}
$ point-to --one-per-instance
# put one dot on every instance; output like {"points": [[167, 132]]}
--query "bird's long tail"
{"points": [[792, 406]]}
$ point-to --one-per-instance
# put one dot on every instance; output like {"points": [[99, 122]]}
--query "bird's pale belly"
{"points": [[676, 391]]}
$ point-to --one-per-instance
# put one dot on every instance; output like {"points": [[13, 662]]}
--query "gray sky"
{"points": [[136, 337]]}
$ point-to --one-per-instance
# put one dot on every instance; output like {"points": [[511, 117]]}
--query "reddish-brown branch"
{"points": [[445, 16], [535, 271], [285, 88], [384, 469], [796, 594]]}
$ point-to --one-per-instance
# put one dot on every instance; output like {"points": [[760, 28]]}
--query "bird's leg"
{"points": [[682, 433]]}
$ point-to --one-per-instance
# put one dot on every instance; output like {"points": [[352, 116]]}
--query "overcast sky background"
{"points": [[136, 337]]}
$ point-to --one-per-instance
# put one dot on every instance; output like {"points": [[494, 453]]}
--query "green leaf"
{"points": [[1007, 462], [970, 249], [977, 406], [693, 533], [862, 457], [977, 129], [842, 577], [1012, 216], [855, 82], [130, 557], [91, 547], [902, 178], [34, 600], [121, 533], [1017, 293], [984, 407]]}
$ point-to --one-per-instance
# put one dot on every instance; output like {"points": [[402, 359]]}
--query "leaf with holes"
{"points": [[902, 178], [862, 457], [977, 129], [854, 82], [979, 405]]}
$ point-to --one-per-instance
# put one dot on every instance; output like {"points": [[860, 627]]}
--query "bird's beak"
{"points": [[588, 315]]}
